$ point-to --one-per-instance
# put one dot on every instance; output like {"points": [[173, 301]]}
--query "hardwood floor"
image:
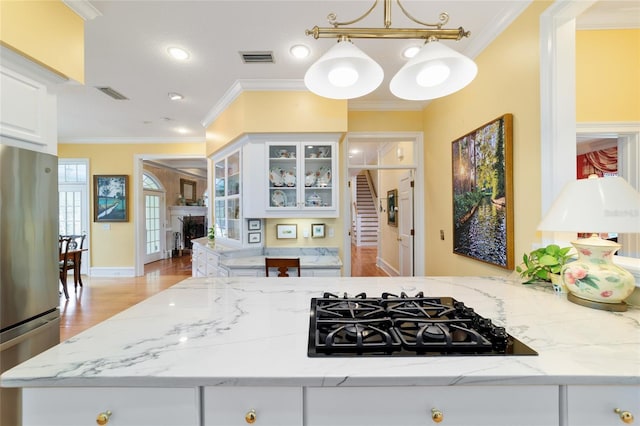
{"points": [[363, 262], [102, 298]]}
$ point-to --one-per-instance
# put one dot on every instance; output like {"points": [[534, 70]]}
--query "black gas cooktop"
{"points": [[402, 325]]}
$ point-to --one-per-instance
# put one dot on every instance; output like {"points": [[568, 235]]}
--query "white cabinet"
{"points": [[458, 406], [595, 405], [291, 176], [206, 262], [227, 202], [269, 406], [302, 178], [28, 106], [128, 406]]}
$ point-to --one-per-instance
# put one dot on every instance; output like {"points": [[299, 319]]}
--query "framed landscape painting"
{"points": [[110, 198], [483, 193]]}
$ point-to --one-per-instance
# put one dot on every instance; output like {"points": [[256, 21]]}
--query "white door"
{"points": [[154, 226], [405, 224], [73, 203]]}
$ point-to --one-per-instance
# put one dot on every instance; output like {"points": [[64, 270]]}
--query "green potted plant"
{"points": [[211, 234], [544, 264]]}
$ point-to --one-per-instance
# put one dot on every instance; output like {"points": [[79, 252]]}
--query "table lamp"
{"points": [[596, 205]]}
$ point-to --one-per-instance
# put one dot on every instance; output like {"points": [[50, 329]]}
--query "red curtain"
{"points": [[600, 162]]}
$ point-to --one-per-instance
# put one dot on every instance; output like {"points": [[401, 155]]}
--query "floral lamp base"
{"points": [[594, 280]]}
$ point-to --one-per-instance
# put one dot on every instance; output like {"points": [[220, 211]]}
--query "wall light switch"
{"points": [[331, 233], [442, 235], [305, 233], [106, 226]]}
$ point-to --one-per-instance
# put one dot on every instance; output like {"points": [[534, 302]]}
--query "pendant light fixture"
{"points": [[435, 71], [346, 72]]}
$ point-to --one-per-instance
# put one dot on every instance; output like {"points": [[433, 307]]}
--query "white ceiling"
{"points": [[125, 49]]}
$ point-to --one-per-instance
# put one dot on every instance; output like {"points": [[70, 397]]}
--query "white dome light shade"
{"points": [[343, 72], [436, 71], [343, 76], [432, 74]]}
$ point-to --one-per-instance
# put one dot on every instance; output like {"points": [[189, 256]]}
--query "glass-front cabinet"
{"points": [[227, 200], [301, 177]]}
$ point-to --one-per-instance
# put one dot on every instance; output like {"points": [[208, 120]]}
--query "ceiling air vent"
{"points": [[257, 57], [113, 93]]}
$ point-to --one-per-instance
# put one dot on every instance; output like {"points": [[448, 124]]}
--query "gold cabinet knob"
{"points": [[103, 418], [436, 415], [625, 416], [250, 417]]}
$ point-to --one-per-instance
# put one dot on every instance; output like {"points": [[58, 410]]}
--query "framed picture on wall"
{"points": [[254, 237], [392, 207], [254, 224], [482, 173], [110, 198], [317, 230], [286, 232], [188, 190]]}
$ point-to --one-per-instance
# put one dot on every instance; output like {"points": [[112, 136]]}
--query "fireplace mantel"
{"points": [[187, 210]]}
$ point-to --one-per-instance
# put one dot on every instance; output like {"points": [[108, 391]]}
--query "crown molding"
{"points": [[30, 68], [83, 8], [127, 140], [495, 27], [239, 86], [387, 105]]}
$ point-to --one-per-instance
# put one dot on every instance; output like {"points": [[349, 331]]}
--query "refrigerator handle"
{"points": [[24, 336]]}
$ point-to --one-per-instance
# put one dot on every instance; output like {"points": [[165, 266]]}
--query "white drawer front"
{"points": [[595, 405], [459, 405], [129, 406], [228, 405]]}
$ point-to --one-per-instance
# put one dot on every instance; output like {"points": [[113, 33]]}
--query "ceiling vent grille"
{"points": [[257, 57], [113, 93]]}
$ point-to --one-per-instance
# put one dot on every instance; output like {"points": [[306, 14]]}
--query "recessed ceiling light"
{"points": [[299, 51], [410, 52], [175, 96], [178, 53], [182, 130]]}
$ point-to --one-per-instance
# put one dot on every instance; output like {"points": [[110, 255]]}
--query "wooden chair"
{"points": [[63, 262], [76, 244], [282, 264]]}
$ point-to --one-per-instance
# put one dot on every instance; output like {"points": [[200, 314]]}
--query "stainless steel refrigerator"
{"points": [[29, 312]]}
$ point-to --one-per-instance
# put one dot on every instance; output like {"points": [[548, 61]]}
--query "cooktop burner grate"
{"points": [[402, 325]]}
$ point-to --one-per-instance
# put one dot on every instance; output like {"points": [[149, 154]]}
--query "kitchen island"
{"points": [[210, 350]]}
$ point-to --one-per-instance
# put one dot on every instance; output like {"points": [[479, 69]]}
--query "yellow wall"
{"points": [[48, 32], [276, 112], [385, 121], [608, 75], [115, 247], [507, 82]]}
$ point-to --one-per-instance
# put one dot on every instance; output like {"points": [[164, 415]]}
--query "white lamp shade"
{"points": [[597, 205], [451, 70], [362, 74]]}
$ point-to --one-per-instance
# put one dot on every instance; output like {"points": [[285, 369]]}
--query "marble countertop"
{"points": [[257, 262], [254, 332], [253, 258]]}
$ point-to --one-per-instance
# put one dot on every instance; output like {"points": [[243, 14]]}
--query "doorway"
{"points": [[73, 201], [386, 157], [154, 217]]}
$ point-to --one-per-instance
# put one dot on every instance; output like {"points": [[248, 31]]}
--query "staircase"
{"points": [[365, 226]]}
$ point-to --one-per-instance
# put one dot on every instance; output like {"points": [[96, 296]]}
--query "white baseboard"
{"points": [[112, 272], [393, 272]]}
